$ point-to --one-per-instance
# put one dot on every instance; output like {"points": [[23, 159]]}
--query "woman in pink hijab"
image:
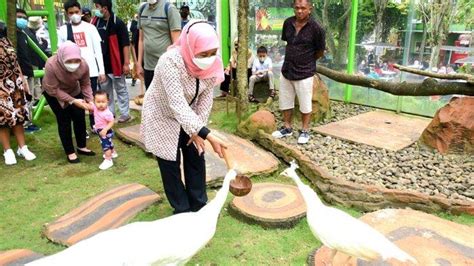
{"points": [[67, 89], [176, 110]]}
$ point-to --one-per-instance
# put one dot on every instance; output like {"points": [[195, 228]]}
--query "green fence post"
{"points": [[53, 33], [225, 31], [3, 10], [351, 52]]}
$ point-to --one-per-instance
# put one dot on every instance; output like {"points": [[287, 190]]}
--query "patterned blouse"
{"points": [[166, 106]]}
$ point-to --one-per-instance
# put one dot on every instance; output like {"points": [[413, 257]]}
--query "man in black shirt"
{"points": [[305, 40], [115, 50]]}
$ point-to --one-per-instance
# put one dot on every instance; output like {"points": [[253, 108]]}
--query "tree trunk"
{"points": [[242, 84], [11, 21], [423, 42], [441, 17], [428, 87], [380, 6], [337, 33]]}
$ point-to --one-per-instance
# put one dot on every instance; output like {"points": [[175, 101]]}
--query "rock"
{"points": [[262, 119], [321, 106], [452, 128], [427, 238]]}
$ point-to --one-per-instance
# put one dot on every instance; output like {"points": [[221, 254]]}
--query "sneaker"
{"points": [[106, 164], [87, 135], [27, 154], [304, 137], [9, 157], [124, 118], [32, 128], [252, 99], [283, 132], [114, 155]]}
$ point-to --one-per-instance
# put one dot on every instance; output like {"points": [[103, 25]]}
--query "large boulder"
{"points": [[452, 128], [262, 119], [321, 106]]}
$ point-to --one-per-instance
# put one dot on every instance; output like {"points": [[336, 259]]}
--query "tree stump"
{"points": [[271, 205]]}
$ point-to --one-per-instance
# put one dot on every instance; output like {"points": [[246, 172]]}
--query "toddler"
{"points": [[104, 121]]}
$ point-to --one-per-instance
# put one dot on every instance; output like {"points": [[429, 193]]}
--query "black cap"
{"points": [[86, 11]]}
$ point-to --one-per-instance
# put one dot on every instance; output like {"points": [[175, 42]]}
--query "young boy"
{"points": [[104, 121], [261, 71]]}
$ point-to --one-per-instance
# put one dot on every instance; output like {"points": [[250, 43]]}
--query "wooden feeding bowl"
{"points": [[240, 186]]}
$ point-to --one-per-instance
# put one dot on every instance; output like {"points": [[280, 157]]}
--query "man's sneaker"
{"points": [[283, 132], [114, 155], [27, 154], [304, 137], [106, 164], [9, 157], [32, 128], [124, 118], [87, 135]]}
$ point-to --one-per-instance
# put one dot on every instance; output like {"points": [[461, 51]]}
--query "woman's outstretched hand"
{"points": [[217, 144]]}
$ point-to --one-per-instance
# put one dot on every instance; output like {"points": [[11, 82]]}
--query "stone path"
{"points": [[17, 257], [247, 157], [427, 238], [381, 129], [105, 211]]}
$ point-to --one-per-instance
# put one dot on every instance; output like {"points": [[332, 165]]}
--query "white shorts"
{"points": [[301, 88]]}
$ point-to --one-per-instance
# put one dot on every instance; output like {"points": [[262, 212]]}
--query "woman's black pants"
{"points": [[64, 118], [190, 196]]}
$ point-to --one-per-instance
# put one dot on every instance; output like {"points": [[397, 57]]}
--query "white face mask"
{"points": [[152, 2], [204, 63], [71, 67], [76, 18]]}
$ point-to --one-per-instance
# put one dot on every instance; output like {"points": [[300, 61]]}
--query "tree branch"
{"points": [[426, 88], [466, 77]]}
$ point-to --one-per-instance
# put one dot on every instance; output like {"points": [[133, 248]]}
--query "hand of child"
{"points": [[103, 133]]}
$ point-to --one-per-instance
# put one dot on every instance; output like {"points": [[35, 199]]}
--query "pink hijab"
{"points": [[197, 37], [67, 51]]}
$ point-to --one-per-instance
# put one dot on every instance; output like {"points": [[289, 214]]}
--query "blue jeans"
{"points": [[120, 86]]}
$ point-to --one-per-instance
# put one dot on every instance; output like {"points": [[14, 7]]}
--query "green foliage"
{"points": [[126, 9]]}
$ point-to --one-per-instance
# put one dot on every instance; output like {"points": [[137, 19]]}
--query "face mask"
{"points": [[204, 63], [262, 59], [76, 18], [21, 23], [71, 67], [98, 14]]}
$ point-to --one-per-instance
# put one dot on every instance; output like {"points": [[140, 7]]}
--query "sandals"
{"points": [[272, 93], [252, 99]]}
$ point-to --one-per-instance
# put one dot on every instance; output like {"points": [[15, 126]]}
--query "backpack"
{"points": [[167, 7]]}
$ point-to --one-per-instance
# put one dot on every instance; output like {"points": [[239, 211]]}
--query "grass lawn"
{"points": [[37, 192]]}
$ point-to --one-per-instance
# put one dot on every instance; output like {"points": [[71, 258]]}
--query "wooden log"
{"points": [[426, 88], [466, 77]]}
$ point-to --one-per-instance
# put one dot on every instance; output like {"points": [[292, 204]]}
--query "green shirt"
{"points": [[156, 29]]}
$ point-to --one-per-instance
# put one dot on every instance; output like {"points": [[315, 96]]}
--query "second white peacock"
{"points": [[169, 241], [341, 232]]}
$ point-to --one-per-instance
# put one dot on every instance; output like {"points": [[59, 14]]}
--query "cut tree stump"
{"points": [[108, 210], [429, 239], [271, 205], [16, 257]]}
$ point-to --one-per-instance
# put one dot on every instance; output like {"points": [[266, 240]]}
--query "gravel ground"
{"points": [[412, 168]]}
